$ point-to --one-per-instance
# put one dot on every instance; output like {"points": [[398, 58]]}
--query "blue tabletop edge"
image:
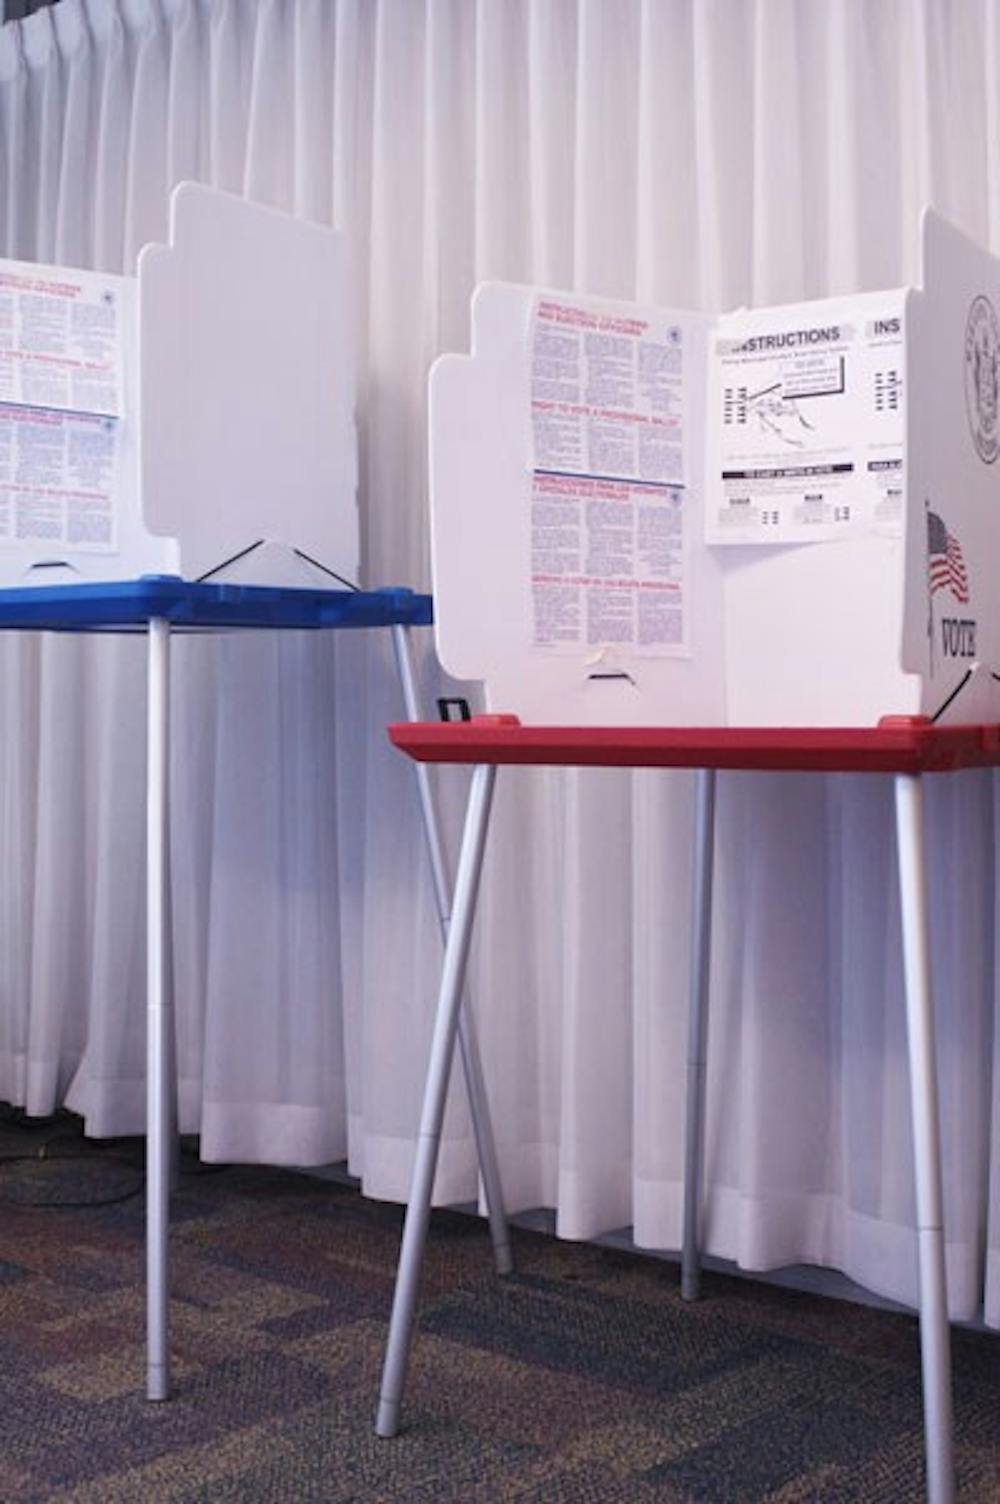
{"points": [[90, 605]]}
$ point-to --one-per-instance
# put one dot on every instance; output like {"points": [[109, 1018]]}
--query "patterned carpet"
{"points": [[581, 1378]]}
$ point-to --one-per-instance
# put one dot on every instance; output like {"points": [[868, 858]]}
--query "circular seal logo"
{"points": [[982, 378]]}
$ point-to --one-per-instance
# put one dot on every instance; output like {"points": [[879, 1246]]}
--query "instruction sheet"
{"points": [[609, 528], [61, 383], [60, 340], [57, 473], [806, 422]]}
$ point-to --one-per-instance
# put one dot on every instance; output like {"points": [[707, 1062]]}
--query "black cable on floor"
{"points": [[62, 1127]]}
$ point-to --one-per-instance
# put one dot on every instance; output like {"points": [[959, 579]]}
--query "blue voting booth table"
{"points": [[202, 453], [160, 606]]}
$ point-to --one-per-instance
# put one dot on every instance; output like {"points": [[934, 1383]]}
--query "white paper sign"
{"points": [[806, 422], [60, 339], [57, 474], [608, 523]]}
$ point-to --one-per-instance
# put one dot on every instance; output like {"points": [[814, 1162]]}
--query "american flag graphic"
{"points": [[945, 565]]}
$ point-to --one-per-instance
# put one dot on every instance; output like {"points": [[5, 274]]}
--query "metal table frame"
{"points": [[159, 606], [905, 747]]}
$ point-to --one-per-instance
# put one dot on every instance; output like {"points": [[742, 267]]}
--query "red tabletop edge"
{"points": [[898, 744]]}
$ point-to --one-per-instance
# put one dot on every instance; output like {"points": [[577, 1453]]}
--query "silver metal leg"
{"points": [[475, 1085], [158, 1021], [172, 1067], [701, 944], [934, 1334], [470, 868]]}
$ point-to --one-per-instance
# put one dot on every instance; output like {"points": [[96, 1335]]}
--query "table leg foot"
{"points": [[387, 1420]]}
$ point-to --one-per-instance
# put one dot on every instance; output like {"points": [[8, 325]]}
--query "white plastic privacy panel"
{"points": [[566, 512], [812, 635], [952, 607], [805, 439], [246, 409], [566, 449], [163, 425]]}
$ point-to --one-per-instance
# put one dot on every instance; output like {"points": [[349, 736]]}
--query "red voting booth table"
{"points": [[769, 529], [906, 747]]}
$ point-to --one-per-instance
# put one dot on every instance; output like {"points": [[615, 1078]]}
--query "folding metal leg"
{"points": [[470, 868], [172, 1118], [701, 945], [934, 1334], [468, 1046], [158, 1018]]}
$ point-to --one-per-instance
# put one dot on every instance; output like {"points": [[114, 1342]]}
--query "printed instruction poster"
{"points": [[806, 422], [60, 340], [609, 540], [61, 385], [57, 477]]}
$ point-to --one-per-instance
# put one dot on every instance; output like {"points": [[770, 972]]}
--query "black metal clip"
{"points": [[447, 704]]}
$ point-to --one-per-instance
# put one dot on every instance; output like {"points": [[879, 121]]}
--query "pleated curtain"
{"points": [[694, 153]]}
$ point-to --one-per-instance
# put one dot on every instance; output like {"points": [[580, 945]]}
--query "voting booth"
{"points": [[197, 414], [765, 541], [178, 451], [781, 516]]}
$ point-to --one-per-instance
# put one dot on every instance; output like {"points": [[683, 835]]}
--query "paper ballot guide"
{"points": [[805, 422], [61, 384], [788, 420]]}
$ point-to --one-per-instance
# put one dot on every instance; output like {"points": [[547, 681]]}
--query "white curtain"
{"points": [[698, 153]]}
